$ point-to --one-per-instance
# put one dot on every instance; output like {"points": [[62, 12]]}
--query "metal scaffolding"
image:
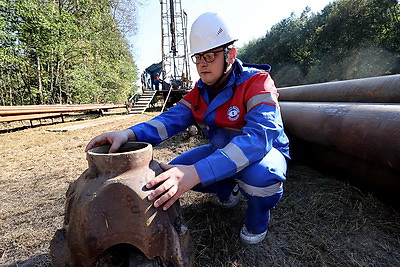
{"points": [[175, 64]]}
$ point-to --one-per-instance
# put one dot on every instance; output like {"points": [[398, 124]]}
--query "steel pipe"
{"points": [[383, 89], [369, 132], [368, 176]]}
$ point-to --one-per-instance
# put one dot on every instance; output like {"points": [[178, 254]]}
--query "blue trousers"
{"points": [[261, 183]]}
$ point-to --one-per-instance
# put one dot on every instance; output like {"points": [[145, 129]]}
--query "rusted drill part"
{"points": [[107, 211], [370, 132], [384, 89]]}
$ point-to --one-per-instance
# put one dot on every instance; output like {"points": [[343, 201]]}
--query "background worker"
{"points": [[236, 107], [156, 82]]}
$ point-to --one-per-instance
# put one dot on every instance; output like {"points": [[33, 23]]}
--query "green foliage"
{"points": [[347, 39], [63, 51]]}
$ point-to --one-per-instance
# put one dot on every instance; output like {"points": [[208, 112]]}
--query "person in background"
{"points": [[236, 106], [156, 82]]}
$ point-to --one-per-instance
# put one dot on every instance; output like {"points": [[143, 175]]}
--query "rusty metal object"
{"points": [[107, 211], [359, 138], [383, 89]]}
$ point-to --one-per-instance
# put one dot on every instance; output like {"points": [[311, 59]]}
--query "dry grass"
{"points": [[320, 221]]}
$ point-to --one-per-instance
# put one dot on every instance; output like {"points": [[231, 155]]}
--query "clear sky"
{"points": [[249, 19]]}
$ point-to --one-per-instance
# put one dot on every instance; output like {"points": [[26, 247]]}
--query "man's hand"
{"points": [[116, 139], [176, 180]]}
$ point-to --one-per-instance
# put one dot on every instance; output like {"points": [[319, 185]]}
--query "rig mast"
{"points": [[175, 65]]}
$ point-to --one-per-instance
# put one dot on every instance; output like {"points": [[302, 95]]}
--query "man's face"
{"points": [[210, 72]]}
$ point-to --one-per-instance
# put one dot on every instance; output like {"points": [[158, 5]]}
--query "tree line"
{"points": [[75, 51], [66, 51], [348, 39]]}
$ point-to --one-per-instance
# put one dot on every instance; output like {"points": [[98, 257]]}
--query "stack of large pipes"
{"points": [[351, 127]]}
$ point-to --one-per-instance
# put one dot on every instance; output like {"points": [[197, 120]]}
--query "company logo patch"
{"points": [[233, 113]]}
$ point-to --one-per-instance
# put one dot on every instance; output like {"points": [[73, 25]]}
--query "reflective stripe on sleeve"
{"points": [[263, 98], [236, 155], [185, 103], [161, 129], [261, 191]]}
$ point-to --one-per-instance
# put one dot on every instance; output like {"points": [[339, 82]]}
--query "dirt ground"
{"points": [[320, 221]]}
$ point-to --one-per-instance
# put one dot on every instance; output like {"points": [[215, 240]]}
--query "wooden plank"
{"points": [[29, 117], [36, 107], [24, 110]]}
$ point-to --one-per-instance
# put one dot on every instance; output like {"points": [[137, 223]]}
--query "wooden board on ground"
{"points": [[88, 124]]}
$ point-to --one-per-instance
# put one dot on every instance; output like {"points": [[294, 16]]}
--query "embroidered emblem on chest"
{"points": [[233, 113]]}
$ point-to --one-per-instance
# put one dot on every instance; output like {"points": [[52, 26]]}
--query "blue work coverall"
{"points": [[247, 146]]}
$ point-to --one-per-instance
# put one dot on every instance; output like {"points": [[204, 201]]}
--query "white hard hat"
{"points": [[209, 31]]}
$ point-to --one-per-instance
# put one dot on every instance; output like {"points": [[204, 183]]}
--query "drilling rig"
{"points": [[175, 64], [173, 71]]}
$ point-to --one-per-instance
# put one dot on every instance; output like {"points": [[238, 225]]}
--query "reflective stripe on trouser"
{"points": [[259, 182]]}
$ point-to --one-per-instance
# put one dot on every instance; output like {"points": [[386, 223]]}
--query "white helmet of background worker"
{"points": [[209, 31]]}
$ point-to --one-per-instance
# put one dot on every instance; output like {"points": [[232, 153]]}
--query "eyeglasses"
{"points": [[208, 57]]}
